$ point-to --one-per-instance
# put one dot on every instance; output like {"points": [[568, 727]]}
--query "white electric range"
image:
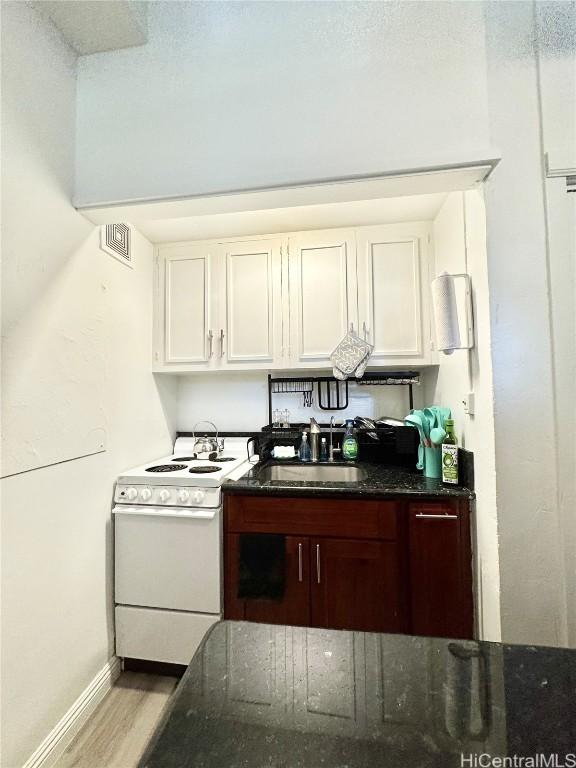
{"points": [[168, 550]]}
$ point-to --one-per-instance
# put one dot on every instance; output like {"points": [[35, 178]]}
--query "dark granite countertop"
{"points": [[380, 481], [259, 695]]}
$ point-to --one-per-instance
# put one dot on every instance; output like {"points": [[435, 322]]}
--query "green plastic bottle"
{"points": [[449, 455], [350, 443]]}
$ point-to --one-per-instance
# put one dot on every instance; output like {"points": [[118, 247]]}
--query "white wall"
{"points": [[248, 94], [453, 379], [460, 246], [561, 217], [532, 572], [70, 311], [557, 88]]}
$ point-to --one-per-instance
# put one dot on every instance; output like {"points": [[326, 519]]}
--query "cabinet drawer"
{"points": [[347, 518], [157, 635]]}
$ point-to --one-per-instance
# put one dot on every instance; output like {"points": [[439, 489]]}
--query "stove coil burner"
{"points": [[222, 459], [166, 468], [202, 469], [184, 458]]}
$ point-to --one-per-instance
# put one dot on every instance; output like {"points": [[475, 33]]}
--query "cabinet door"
{"points": [[322, 293], [250, 296], [188, 306], [293, 608], [440, 570], [393, 291], [355, 585]]}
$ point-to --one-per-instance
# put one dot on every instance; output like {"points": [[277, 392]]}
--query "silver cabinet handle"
{"points": [[221, 342], [210, 340], [299, 562], [436, 517], [365, 331], [318, 563]]}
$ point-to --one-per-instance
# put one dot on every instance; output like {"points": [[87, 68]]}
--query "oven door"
{"points": [[168, 558]]}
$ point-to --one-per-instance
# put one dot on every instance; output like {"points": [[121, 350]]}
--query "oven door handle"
{"points": [[181, 512]]}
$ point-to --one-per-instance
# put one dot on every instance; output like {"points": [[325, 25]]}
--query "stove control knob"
{"points": [[164, 495], [145, 494], [198, 497], [131, 494], [183, 496]]}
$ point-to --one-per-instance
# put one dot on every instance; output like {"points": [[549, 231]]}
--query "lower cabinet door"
{"points": [[440, 571], [291, 607], [355, 585]]}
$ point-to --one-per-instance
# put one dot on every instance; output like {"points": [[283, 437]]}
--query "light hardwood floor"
{"points": [[118, 732]]}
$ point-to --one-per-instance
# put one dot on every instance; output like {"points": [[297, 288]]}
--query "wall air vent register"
{"points": [[115, 239]]}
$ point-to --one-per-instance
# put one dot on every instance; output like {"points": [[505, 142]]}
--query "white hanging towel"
{"points": [[446, 317]]}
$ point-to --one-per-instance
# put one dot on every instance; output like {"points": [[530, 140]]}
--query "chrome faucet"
{"points": [[314, 432], [332, 450]]}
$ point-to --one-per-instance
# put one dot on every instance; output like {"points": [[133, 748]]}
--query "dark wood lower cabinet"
{"points": [[440, 570], [293, 608], [395, 567], [354, 585]]}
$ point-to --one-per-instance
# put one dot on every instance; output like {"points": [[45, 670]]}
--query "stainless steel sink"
{"points": [[323, 473]]}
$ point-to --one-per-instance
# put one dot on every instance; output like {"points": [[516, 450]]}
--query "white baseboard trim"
{"points": [[62, 734]]}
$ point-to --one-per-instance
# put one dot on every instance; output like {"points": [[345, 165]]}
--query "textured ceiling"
{"points": [[92, 26]]}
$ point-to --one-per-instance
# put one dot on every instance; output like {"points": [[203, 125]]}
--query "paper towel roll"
{"points": [[445, 313]]}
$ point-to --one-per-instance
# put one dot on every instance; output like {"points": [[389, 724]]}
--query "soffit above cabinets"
{"points": [[358, 213], [93, 26], [155, 218]]}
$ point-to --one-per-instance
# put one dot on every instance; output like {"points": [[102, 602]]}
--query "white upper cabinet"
{"points": [[185, 288], [249, 331], [284, 302], [219, 306], [322, 294], [393, 292]]}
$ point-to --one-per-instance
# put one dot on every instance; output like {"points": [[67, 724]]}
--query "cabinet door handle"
{"points": [[210, 341], [365, 331], [436, 517], [300, 562], [318, 563], [221, 342]]}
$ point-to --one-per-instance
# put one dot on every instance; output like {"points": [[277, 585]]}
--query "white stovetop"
{"points": [[233, 447]]}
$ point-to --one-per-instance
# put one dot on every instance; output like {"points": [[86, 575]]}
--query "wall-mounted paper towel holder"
{"points": [[452, 300]]}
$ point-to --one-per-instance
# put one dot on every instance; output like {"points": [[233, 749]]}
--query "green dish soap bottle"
{"points": [[350, 443], [450, 455]]}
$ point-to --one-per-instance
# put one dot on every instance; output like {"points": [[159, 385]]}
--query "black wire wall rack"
{"points": [[337, 391]]}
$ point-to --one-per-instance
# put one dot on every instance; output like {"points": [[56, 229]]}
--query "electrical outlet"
{"points": [[468, 403]]}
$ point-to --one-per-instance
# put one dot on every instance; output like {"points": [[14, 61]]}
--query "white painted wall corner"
{"points": [[84, 707]]}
